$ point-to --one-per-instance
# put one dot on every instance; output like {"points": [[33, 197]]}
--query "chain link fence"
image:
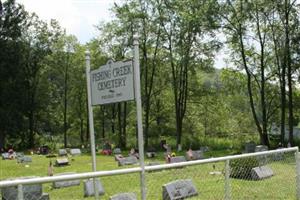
{"points": [[263, 175]]}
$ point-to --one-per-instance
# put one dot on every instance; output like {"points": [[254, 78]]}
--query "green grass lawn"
{"points": [[280, 186]]}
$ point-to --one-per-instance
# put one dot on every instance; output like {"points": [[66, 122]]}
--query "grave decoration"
{"points": [[89, 187], [179, 189], [124, 196], [30, 192], [61, 184]]}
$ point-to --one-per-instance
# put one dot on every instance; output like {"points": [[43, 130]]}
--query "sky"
{"points": [[78, 17]]}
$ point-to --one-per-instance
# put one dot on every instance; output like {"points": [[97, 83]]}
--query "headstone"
{"points": [[62, 152], [29, 192], [196, 155], [89, 187], [263, 159], [260, 148], [62, 161], [61, 184], [250, 147], [117, 151], [179, 189], [24, 159], [51, 156], [124, 196], [204, 149], [278, 156], [75, 152], [258, 173], [177, 159], [19, 154], [153, 163], [151, 154], [130, 160], [5, 156]]}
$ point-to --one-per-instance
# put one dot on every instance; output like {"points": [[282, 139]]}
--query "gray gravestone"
{"points": [[61, 184], [278, 156], [19, 154], [196, 155], [130, 160], [151, 154], [258, 173], [124, 196], [62, 152], [264, 159], [24, 159], [204, 149], [177, 159], [30, 192], [75, 152], [62, 161], [250, 147], [179, 189], [89, 187], [260, 148], [117, 151], [5, 156]]}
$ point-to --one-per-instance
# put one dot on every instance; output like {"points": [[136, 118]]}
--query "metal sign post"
{"points": [[139, 112], [91, 120]]}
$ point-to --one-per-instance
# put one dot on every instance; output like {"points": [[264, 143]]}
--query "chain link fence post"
{"points": [[20, 192], [227, 181], [297, 174]]}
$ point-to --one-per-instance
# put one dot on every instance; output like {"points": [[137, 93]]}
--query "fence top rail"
{"points": [[86, 175], [37, 180], [211, 160]]}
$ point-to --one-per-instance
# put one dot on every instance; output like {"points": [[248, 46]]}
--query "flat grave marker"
{"points": [[61, 184], [24, 159], [177, 159], [124, 196], [179, 189], [62, 161], [130, 160]]}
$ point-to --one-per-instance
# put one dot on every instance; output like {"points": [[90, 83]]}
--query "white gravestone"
{"points": [[75, 152], [62, 152]]}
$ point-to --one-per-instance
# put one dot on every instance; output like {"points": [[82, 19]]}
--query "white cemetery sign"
{"points": [[112, 83]]}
